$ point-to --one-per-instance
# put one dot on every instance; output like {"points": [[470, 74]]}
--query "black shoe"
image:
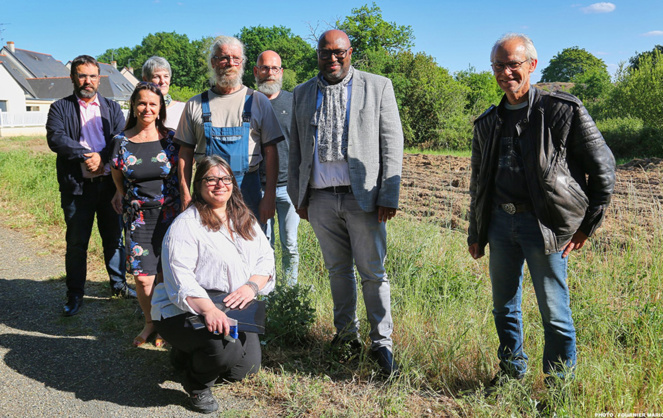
{"points": [[125, 292], [353, 344], [73, 304], [204, 402], [385, 359]]}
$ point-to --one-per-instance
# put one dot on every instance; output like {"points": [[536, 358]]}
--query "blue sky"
{"points": [[458, 34]]}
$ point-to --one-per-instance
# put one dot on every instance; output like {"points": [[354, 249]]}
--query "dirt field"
{"points": [[435, 188]]}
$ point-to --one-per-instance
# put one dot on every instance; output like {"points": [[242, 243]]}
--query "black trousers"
{"points": [[79, 213], [209, 357]]}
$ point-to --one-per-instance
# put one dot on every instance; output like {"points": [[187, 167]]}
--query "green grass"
{"points": [[444, 334], [455, 153]]}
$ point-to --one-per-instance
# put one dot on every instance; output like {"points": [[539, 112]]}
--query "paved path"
{"points": [[83, 365]]}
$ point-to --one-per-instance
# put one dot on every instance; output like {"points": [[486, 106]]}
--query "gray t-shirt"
{"points": [[282, 106], [227, 111]]}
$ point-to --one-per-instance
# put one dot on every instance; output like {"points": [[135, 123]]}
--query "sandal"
{"points": [[159, 342], [139, 339]]}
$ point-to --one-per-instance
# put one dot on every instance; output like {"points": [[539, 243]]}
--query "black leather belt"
{"points": [[513, 208], [97, 179], [337, 189]]}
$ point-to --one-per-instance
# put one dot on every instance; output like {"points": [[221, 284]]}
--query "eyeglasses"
{"points": [[325, 54], [226, 60], [268, 69], [513, 66], [92, 77], [213, 181]]}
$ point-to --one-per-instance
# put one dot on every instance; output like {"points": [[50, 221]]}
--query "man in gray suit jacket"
{"points": [[346, 156]]}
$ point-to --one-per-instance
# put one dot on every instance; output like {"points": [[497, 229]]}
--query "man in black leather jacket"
{"points": [[542, 178]]}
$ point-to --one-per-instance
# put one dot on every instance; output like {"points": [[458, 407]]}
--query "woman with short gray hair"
{"points": [[157, 70]]}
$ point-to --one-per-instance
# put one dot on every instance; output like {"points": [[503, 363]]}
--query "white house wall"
{"points": [[11, 92]]}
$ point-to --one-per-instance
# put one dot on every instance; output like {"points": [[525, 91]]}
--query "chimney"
{"points": [[10, 46], [114, 64]]}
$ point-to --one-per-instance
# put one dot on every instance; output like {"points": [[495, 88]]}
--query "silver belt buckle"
{"points": [[509, 208]]}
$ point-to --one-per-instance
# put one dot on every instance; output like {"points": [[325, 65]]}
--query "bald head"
{"points": [[268, 56], [268, 73], [334, 55]]}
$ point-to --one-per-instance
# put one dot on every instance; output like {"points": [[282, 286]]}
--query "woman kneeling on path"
{"points": [[216, 244]]}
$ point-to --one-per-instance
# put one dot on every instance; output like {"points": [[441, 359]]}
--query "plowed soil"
{"points": [[435, 188]]}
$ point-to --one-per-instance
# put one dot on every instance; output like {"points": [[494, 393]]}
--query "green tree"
{"points": [[122, 55], [187, 58], [296, 54], [368, 31], [431, 102], [634, 62], [591, 84], [638, 92], [569, 63], [483, 90]]}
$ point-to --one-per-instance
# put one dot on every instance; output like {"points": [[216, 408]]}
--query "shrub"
{"points": [[628, 137], [290, 314]]}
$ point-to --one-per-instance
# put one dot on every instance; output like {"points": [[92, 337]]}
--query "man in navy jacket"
{"points": [[80, 129]]}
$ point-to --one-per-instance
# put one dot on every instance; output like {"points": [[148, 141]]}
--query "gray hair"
{"points": [[530, 51], [153, 64], [218, 43]]}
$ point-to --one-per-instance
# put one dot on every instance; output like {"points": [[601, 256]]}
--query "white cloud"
{"points": [[603, 7], [653, 33]]}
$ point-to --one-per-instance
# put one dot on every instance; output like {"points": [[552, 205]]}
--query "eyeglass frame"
{"points": [[93, 77], [338, 53], [227, 60], [512, 66], [267, 69], [226, 180]]}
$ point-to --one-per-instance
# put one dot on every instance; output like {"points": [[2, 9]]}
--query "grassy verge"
{"points": [[444, 335]]}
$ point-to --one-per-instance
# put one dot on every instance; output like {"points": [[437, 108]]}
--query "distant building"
{"points": [[30, 81]]}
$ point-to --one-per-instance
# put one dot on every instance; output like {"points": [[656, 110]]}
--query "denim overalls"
{"points": [[232, 144]]}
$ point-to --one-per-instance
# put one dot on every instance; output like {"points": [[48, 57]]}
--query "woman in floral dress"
{"points": [[144, 169]]}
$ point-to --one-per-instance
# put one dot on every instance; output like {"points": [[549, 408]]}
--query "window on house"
{"points": [[3, 105], [32, 108]]}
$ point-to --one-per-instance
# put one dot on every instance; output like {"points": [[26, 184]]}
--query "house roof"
{"points": [[17, 74], [121, 87], [38, 64], [59, 87]]}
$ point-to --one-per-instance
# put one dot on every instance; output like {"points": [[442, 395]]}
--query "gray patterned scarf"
{"points": [[330, 118]]}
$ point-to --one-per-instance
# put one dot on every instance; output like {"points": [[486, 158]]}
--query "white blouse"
{"points": [[194, 259]]}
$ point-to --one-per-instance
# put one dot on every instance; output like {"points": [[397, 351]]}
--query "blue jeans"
{"points": [[514, 239], [251, 192], [288, 225], [79, 212], [346, 233]]}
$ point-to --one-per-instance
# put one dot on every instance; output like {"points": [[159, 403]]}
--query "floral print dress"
{"points": [[152, 199]]}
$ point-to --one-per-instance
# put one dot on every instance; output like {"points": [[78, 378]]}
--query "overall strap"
{"points": [[207, 115], [248, 102]]}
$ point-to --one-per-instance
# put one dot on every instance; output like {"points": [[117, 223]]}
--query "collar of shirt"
{"points": [[85, 104]]}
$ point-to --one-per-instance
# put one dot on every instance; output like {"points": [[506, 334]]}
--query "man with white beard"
{"points": [[234, 122], [269, 80]]}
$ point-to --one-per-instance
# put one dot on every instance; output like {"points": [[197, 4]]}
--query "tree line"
{"points": [[437, 108]]}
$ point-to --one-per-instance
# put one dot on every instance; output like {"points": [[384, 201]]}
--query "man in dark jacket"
{"points": [[79, 129], [542, 178]]}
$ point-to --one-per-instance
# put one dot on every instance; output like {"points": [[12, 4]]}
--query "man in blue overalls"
{"points": [[234, 122]]}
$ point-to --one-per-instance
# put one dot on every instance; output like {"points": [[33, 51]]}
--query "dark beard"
{"points": [[85, 94]]}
